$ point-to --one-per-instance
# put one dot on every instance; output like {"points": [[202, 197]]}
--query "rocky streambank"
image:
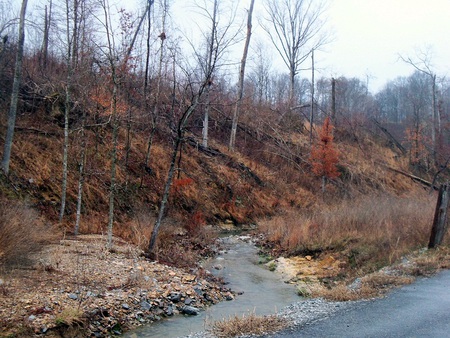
{"points": [[78, 287]]}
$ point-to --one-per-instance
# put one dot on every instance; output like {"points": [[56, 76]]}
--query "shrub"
{"points": [[21, 234]]}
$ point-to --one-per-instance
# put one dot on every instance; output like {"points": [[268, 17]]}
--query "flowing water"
{"points": [[263, 292]]}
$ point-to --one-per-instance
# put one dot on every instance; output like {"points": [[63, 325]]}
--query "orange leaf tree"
{"points": [[324, 156]]}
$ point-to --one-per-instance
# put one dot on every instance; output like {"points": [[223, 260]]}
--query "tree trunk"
{"points": [[47, 22], [112, 188], [15, 91], [291, 87], [333, 102], [241, 79], [156, 102], [81, 177], [206, 119], [165, 196], [440, 217], [311, 116], [210, 56]]}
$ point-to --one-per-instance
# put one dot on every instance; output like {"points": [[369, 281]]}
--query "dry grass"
{"points": [[21, 234], [371, 232], [373, 285], [250, 324], [70, 316]]}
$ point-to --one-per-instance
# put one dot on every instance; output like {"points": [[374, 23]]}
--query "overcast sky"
{"points": [[370, 34]]}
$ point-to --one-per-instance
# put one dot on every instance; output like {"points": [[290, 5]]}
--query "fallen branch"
{"points": [[413, 177]]}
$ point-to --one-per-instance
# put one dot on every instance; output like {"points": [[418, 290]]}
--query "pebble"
{"points": [[190, 310], [73, 296]]}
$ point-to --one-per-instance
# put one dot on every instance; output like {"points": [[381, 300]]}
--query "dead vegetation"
{"points": [[371, 232], [249, 324], [22, 234]]}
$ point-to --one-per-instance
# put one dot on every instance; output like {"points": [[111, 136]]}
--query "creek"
{"points": [[259, 291]]}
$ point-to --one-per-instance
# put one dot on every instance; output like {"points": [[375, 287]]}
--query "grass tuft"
{"points": [[248, 325]]}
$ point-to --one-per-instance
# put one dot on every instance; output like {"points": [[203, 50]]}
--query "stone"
{"points": [[73, 296], [190, 310], [169, 310], [32, 318], [146, 305], [188, 301], [175, 297], [229, 296], [125, 306]]}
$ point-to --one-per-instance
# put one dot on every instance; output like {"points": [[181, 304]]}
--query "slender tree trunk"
{"points": [[71, 37], [47, 21], [156, 102], [291, 87], [436, 118], [211, 55], [206, 118], [311, 116], [333, 101], [112, 187], [128, 147], [15, 91], [81, 175], [65, 148], [115, 123], [165, 196], [241, 79]]}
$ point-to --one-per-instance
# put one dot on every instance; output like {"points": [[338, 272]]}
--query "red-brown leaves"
{"points": [[324, 156]]}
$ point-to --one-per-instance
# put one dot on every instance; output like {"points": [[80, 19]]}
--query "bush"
{"points": [[21, 234]]}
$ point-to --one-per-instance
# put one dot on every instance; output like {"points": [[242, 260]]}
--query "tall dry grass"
{"points": [[372, 230], [21, 234]]}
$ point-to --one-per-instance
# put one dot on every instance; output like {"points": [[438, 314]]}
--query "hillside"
{"points": [[269, 174], [369, 216]]}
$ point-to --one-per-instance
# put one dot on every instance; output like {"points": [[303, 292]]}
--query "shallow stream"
{"points": [[263, 292]]}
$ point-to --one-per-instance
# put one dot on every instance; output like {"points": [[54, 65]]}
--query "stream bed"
{"points": [[257, 290]]}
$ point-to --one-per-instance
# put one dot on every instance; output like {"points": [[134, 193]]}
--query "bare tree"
{"points": [[71, 37], [295, 28], [241, 77], [157, 95], [218, 39], [198, 91], [45, 39], [422, 63], [15, 91]]}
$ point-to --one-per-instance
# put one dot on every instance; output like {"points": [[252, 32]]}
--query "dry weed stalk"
{"points": [[250, 324]]}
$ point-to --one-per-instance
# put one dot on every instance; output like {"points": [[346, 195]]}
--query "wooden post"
{"points": [[440, 217]]}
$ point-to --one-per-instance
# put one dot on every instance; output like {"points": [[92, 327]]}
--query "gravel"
{"points": [[300, 314]]}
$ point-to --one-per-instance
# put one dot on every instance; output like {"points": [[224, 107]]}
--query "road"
{"points": [[421, 309]]}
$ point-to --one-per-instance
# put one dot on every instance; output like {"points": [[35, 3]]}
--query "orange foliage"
{"points": [[182, 182], [417, 139], [324, 156]]}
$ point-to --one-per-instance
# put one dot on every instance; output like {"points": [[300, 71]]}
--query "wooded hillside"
{"points": [[117, 129]]}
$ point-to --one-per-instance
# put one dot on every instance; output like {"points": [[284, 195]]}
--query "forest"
{"points": [[116, 122]]}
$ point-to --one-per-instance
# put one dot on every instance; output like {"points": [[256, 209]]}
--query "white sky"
{"points": [[370, 34]]}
